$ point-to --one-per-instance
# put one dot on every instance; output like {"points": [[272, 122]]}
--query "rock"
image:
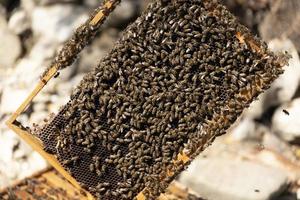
{"points": [[22, 151], [177, 191], [287, 125], [242, 130], [66, 88], [2, 17], [39, 106], [90, 56], [256, 108], [42, 99], [36, 163], [29, 69], [277, 160], [10, 172], [10, 46], [287, 84], [17, 158], [4, 181], [4, 2], [227, 179], [144, 4], [49, 2], [7, 141], [249, 12], [13, 152], [28, 5], [12, 99], [124, 13], [284, 88], [58, 102], [38, 117], [57, 22], [247, 129], [19, 22], [282, 21], [274, 143]]}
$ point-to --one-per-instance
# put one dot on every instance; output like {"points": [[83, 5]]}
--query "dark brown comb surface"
{"points": [[179, 76]]}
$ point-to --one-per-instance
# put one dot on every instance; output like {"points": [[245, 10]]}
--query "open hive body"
{"points": [[48, 184], [180, 76]]}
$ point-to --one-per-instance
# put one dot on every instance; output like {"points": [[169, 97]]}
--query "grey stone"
{"points": [[90, 56], [28, 5], [279, 161], [57, 22], [19, 22], [273, 142], [4, 2], [10, 48], [29, 69], [233, 179], [47, 2], [284, 88], [38, 117], [17, 158], [7, 141], [282, 21], [39, 106], [2, 17], [11, 172], [244, 129], [287, 126], [35, 162], [22, 151], [63, 89], [4, 181], [124, 13], [58, 101], [11, 100]]}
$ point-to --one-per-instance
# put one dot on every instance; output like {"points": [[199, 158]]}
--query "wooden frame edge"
{"points": [[25, 134]]}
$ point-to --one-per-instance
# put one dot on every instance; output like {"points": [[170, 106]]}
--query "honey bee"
{"points": [[164, 88]]}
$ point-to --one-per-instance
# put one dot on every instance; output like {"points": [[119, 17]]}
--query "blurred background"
{"points": [[258, 159]]}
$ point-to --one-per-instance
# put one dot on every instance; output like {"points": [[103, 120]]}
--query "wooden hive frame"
{"points": [[29, 138], [25, 134], [49, 178], [37, 145], [52, 180]]}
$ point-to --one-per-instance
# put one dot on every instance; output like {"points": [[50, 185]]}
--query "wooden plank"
{"points": [[57, 181], [99, 16], [37, 146]]}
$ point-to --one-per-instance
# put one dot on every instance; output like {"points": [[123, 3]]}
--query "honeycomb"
{"points": [[178, 77], [48, 184], [44, 185]]}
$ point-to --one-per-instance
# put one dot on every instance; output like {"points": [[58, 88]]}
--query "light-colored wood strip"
{"points": [[35, 91], [99, 16], [37, 146], [58, 182]]}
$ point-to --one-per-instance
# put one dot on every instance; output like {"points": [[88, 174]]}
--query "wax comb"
{"points": [[179, 76]]}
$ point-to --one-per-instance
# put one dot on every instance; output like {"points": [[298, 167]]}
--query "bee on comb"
{"points": [[179, 76]]}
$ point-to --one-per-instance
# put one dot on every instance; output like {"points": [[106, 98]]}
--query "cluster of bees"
{"points": [[82, 36], [174, 70], [35, 189]]}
